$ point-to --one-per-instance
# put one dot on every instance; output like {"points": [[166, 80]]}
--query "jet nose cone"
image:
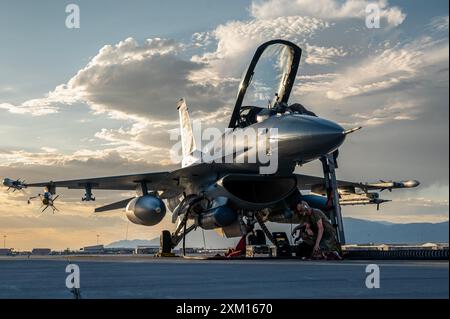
{"points": [[326, 127], [310, 137], [327, 135]]}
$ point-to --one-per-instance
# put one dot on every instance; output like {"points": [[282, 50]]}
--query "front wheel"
{"points": [[165, 242]]}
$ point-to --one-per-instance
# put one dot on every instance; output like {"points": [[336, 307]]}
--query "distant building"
{"points": [[96, 249], [6, 251], [66, 251], [119, 251], [147, 250], [41, 251], [435, 245]]}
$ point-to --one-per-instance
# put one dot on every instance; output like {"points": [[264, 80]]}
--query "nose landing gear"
{"points": [[329, 165]]}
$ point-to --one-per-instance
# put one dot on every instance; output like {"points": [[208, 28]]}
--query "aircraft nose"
{"points": [[310, 137], [327, 128], [327, 135]]}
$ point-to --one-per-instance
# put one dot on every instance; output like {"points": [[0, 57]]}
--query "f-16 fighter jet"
{"points": [[230, 190]]}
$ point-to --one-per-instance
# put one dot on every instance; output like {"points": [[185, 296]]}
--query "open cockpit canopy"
{"points": [[267, 83]]}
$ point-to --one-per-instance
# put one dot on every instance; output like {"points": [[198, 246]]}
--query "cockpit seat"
{"points": [[297, 107]]}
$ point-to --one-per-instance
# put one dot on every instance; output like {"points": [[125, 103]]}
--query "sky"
{"points": [[100, 99]]}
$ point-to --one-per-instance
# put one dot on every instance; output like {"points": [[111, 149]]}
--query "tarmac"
{"points": [[134, 276]]}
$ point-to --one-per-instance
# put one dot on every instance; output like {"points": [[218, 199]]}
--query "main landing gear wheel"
{"points": [[165, 242], [260, 237], [252, 240], [257, 238]]}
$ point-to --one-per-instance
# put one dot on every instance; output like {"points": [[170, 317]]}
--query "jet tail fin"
{"points": [[190, 154]]}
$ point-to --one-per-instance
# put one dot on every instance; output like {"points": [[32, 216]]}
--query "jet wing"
{"points": [[154, 181], [171, 183], [308, 182], [167, 180]]}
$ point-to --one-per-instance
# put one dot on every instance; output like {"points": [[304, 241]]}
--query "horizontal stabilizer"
{"points": [[116, 205]]}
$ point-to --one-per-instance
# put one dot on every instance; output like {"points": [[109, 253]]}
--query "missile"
{"points": [[410, 183], [394, 184]]}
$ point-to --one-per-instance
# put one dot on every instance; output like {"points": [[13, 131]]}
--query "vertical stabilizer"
{"points": [[190, 154]]}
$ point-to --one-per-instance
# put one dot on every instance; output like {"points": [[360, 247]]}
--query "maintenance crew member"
{"points": [[321, 226]]}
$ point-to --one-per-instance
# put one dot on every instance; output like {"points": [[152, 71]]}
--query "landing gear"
{"points": [[169, 241], [329, 165], [264, 228], [165, 242], [257, 238], [260, 237]]}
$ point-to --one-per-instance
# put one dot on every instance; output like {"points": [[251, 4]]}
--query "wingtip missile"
{"points": [[390, 185]]}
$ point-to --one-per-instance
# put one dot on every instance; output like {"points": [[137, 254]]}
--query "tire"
{"points": [[260, 237], [165, 242], [252, 240]]}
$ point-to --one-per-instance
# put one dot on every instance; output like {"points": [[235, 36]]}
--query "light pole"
{"points": [[97, 238], [4, 241]]}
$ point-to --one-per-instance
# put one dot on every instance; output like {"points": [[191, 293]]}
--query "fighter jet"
{"points": [[229, 192]]}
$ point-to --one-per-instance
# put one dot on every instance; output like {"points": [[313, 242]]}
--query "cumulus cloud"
{"points": [[29, 109], [145, 80], [140, 85], [44, 165], [378, 72], [325, 9], [238, 40], [49, 104], [322, 55], [390, 83], [132, 81]]}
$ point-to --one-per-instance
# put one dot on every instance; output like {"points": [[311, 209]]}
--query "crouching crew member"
{"points": [[325, 245]]}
